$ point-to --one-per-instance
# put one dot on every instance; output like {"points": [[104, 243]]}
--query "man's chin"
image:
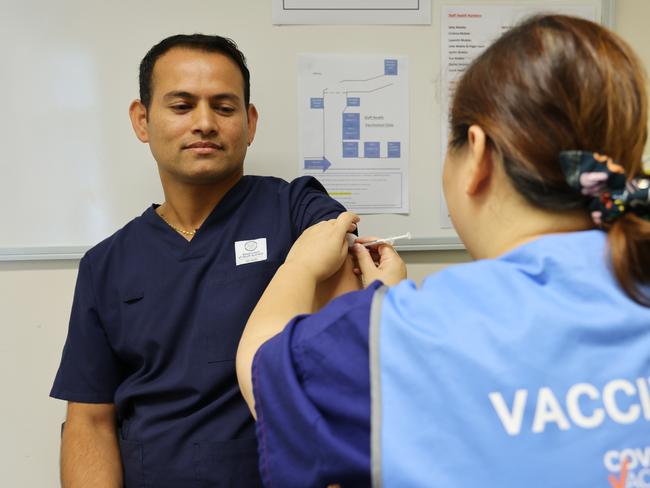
{"points": [[212, 177]]}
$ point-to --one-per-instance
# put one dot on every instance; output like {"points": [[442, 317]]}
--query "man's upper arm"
{"points": [[100, 415], [89, 371], [310, 204], [343, 281], [90, 454]]}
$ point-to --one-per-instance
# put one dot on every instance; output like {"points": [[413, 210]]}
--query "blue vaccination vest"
{"points": [[531, 370]]}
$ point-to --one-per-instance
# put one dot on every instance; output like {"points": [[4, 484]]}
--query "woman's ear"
{"points": [[481, 164]]}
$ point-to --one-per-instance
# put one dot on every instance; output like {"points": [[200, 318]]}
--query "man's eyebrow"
{"points": [[189, 96], [180, 94], [232, 97]]}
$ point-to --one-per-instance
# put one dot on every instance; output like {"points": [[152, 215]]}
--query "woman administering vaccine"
{"points": [[527, 367]]}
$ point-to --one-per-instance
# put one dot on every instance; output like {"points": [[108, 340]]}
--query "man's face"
{"points": [[197, 126]]}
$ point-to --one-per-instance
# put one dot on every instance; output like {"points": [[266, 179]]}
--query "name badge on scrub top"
{"points": [[250, 251]]}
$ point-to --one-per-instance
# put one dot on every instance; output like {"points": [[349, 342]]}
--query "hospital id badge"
{"points": [[250, 251]]}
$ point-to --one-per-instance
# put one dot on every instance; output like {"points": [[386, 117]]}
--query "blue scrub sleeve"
{"points": [[89, 371], [312, 397], [310, 203]]}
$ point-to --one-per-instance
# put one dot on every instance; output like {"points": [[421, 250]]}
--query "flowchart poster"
{"points": [[354, 116]]}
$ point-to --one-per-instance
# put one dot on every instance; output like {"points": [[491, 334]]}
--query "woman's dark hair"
{"points": [[556, 83], [200, 42]]}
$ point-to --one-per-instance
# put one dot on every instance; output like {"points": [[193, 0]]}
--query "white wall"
{"points": [[35, 303]]}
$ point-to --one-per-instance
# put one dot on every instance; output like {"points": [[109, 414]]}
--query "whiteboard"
{"points": [[72, 170]]}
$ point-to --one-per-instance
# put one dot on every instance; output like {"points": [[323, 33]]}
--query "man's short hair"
{"points": [[200, 42]]}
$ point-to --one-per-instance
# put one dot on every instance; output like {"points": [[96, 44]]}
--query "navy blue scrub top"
{"points": [[155, 325]]}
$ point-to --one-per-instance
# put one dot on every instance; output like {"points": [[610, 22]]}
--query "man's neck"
{"points": [[187, 206]]}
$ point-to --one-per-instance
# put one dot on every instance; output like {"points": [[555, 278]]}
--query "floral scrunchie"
{"points": [[604, 182]]}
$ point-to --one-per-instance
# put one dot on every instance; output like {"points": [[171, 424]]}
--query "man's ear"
{"points": [[252, 122], [481, 163], [138, 116]]}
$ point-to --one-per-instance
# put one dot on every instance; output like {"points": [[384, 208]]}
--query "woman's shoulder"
{"points": [[548, 260]]}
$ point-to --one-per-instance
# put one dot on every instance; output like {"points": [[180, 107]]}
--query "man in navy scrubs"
{"points": [[148, 367]]}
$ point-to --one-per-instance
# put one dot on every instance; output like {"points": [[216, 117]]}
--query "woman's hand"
{"points": [[322, 248], [380, 263]]}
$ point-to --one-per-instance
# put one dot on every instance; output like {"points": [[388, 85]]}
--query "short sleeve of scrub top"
{"points": [[310, 203], [92, 371], [314, 429]]}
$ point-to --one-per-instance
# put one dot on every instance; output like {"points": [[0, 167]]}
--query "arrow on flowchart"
{"points": [[322, 163]]}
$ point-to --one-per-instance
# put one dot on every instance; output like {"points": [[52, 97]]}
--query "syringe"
{"points": [[387, 240]]}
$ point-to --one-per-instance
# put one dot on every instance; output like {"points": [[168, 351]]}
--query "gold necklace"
{"points": [[177, 229]]}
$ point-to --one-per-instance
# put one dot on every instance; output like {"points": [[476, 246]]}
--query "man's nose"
{"points": [[205, 120]]}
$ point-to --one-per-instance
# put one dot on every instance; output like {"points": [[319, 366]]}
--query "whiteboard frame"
{"points": [[42, 253]]}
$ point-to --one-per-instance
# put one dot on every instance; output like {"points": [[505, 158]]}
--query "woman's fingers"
{"points": [[365, 262], [391, 265], [387, 267], [322, 248], [346, 222]]}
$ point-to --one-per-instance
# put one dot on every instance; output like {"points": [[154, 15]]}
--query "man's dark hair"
{"points": [[200, 42]]}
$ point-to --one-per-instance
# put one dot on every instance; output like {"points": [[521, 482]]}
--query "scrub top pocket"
{"points": [[132, 463], [229, 300], [237, 457]]}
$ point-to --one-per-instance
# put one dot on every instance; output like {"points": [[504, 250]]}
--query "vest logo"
{"points": [[584, 406], [628, 468]]}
